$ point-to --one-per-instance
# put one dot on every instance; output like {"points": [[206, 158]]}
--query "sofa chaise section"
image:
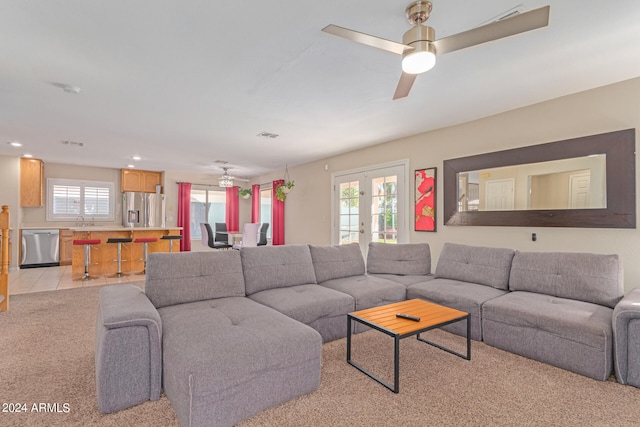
{"points": [[223, 357], [559, 310], [283, 278], [466, 277], [228, 359]]}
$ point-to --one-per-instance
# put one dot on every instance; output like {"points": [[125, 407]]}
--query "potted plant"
{"points": [[283, 189], [245, 193]]}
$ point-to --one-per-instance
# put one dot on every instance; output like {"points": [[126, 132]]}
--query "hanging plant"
{"points": [[245, 193], [283, 189]]}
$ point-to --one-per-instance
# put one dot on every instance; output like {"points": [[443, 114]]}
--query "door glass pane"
{"points": [[384, 209], [349, 212]]}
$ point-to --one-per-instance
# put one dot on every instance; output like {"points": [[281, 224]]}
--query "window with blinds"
{"points": [[67, 200]]}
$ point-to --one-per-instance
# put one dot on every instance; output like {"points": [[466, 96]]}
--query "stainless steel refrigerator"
{"points": [[143, 210]]}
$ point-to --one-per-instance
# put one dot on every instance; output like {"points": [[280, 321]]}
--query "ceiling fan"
{"points": [[419, 47], [226, 180]]}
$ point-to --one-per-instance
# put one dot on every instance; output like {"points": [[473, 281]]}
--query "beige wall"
{"points": [[605, 109]]}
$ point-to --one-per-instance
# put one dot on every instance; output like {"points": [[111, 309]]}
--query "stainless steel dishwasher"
{"points": [[40, 248]]}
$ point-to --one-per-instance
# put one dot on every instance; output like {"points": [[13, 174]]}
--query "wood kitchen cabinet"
{"points": [[139, 180], [31, 183], [66, 246]]}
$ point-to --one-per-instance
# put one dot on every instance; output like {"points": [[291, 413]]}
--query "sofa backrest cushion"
{"points": [[585, 277], [177, 278], [269, 267], [475, 264], [335, 262], [401, 259]]}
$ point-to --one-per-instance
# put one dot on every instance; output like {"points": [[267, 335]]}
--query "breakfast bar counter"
{"points": [[104, 255]]}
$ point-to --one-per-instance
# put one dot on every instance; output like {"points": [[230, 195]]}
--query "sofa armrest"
{"points": [[128, 348], [626, 338]]}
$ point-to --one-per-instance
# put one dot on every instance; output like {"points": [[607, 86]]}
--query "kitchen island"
{"points": [[104, 255]]}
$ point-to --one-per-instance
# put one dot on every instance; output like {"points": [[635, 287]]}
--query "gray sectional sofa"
{"points": [[228, 334], [553, 307]]}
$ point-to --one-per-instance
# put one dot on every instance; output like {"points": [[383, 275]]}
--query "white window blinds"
{"points": [[70, 199]]}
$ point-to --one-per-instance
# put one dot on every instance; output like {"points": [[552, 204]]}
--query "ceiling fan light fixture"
{"points": [[419, 60], [225, 182]]}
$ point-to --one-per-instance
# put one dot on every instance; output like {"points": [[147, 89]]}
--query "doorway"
{"points": [[370, 205]]}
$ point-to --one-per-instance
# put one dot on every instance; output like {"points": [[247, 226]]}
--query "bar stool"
{"points": [[119, 241], [145, 242], [87, 255], [171, 239]]}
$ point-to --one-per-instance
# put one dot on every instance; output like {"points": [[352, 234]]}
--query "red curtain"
{"points": [[184, 215], [232, 215], [255, 203], [277, 216]]}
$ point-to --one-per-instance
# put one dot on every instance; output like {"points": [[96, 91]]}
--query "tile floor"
{"points": [[22, 281]]}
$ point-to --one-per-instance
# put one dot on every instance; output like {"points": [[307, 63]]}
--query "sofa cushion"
{"points": [[570, 334], [368, 291], [177, 278], [333, 262], [460, 295], [401, 259], [475, 264], [324, 309], [268, 267], [580, 276], [404, 279]]}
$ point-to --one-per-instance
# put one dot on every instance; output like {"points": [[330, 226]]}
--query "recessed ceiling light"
{"points": [[14, 144], [28, 156], [136, 157], [131, 166]]}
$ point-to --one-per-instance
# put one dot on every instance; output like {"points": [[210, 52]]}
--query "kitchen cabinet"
{"points": [[31, 183], [139, 180], [66, 246]]}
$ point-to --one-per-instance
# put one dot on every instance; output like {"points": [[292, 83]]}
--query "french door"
{"points": [[370, 205]]}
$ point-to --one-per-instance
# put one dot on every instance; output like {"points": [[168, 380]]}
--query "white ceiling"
{"points": [[186, 83]]}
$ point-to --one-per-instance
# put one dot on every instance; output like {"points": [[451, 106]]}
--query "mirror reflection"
{"points": [[574, 183]]}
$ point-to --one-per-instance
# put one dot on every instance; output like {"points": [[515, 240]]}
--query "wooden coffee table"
{"points": [[384, 319]]}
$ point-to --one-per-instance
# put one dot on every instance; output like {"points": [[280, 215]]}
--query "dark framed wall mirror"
{"points": [[581, 182]]}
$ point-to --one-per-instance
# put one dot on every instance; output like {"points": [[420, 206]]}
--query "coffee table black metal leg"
{"points": [[396, 364], [348, 339], [468, 355], [396, 360]]}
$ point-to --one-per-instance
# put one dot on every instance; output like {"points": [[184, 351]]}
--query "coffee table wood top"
{"points": [[430, 314]]}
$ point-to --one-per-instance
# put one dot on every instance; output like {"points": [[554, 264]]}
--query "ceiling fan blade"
{"points": [[404, 85], [521, 23], [377, 42]]}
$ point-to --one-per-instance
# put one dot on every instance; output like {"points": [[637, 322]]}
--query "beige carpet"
{"points": [[47, 356]]}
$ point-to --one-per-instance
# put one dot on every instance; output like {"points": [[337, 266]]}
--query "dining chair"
{"points": [[249, 236], [262, 235], [221, 238], [207, 235]]}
